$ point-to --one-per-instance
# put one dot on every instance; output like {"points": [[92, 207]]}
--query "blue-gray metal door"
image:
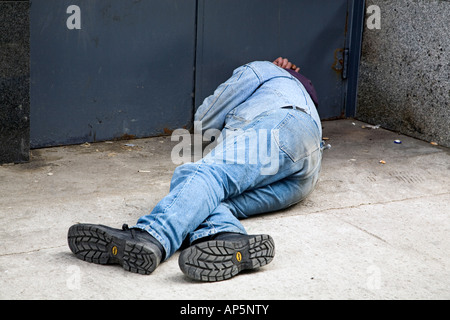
{"points": [[105, 69], [314, 34]]}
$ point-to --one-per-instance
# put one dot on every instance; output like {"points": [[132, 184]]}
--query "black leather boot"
{"points": [[225, 255], [134, 249]]}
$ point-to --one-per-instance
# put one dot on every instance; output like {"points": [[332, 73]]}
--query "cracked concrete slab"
{"points": [[368, 231]]}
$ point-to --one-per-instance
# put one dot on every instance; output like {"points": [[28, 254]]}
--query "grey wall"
{"points": [[405, 69], [14, 81]]}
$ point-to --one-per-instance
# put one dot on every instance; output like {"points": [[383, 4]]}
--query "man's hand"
{"points": [[286, 64]]}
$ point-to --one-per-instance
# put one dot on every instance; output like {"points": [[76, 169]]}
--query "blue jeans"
{"points": [[263, 163]]}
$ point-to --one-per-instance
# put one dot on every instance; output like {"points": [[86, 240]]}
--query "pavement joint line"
{"points": [[274, 215], [32, 251]]}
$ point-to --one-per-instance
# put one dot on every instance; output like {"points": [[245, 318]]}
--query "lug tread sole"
{"points": [[95, 244], [218, 260]]}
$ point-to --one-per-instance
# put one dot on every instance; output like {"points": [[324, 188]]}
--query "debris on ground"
{"points": [[368, 126]]}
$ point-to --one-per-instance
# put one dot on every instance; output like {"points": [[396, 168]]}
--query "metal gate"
{"points": [[106, 69]]}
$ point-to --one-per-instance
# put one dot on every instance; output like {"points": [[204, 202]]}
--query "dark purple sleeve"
{"points": [[307, 84]]}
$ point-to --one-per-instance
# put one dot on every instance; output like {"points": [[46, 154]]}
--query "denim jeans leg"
{"points": [[273, 197], [194, 193], [276, 196], [197, 189], [220, 220]]}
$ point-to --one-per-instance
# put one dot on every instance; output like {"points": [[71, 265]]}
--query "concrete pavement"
{"points": [[368, 231]]}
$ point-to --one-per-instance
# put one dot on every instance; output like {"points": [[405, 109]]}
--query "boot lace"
{"points": [[132, 230]]}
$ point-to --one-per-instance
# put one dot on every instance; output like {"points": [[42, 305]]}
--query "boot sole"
{"points": [[218, 260], [99, 245]]}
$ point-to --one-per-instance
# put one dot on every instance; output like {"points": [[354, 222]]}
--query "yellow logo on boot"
{"points": [[114, 250], [238, 256]]}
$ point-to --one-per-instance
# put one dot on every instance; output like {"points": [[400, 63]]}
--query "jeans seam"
{"points": [[182, 189], [280, 126], [255, 72], [213, 103], [228, 146], [217, 98], [306, 130], [205, 234], [176, 198]]}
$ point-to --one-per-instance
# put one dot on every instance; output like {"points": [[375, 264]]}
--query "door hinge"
{"points": [[345, 64]]}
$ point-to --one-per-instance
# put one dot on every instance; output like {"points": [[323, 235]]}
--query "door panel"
{"points": [[312, 34], [127, 72]]}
